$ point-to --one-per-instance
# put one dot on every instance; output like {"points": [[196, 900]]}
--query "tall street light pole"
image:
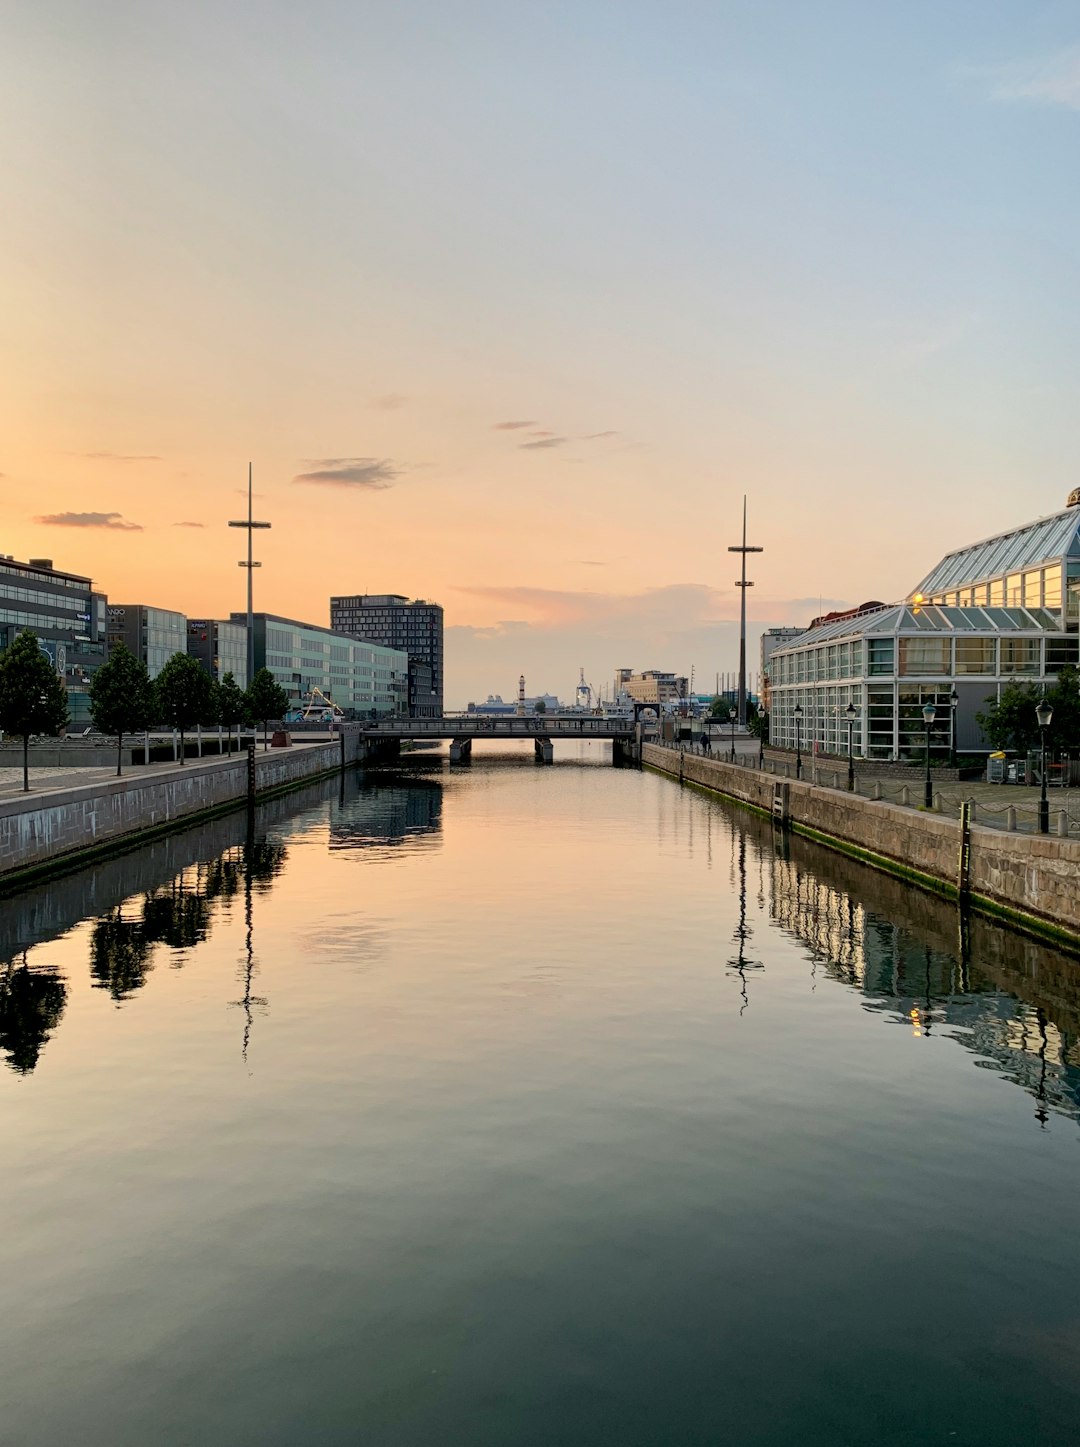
{"points": [[742, 585], [1044, 713], [928, 787], [251, 525]]}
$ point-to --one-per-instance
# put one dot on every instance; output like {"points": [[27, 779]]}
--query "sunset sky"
{"points": [[509, 303]]}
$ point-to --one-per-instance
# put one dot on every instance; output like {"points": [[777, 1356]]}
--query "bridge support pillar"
{"points": [[545, 750], [461, 751]]}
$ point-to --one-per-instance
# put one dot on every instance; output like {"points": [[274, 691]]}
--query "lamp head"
{"points": [[954, 697], [1044, 713], [851, 710], [797, 710], [928, 714]]}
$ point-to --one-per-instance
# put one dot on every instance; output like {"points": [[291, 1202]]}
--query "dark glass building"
{"points": [[66, 616], [413, 627]]}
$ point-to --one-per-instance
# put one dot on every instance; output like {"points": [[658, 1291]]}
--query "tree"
{"points": [[266, 699], [757, 723], [720, 708], [232, 704], [539, 706], [32, 698], [1010, 722], [183, 690], [1064, 699], [122, 698]]}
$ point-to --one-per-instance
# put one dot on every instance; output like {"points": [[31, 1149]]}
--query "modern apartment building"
{"points": [[152, 634], [221, 648], [66, 616], [413, 627], [653, 686], [361, 678]]}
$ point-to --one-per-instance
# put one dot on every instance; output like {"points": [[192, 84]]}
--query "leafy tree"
{"points": [[32, 698], [757, 723], [232, 704], [720, 708], [122, 697], [1064, 698], [184, 695], [1009, 722], [539, 706], [266, 699]]}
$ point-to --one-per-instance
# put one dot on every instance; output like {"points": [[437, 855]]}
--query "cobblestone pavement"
{"points": [[43, 779]]}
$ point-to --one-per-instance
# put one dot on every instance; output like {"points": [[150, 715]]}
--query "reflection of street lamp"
{"points": [[797, 711], [1044, 713], [954, 700], [928, 791], [849, 713]]}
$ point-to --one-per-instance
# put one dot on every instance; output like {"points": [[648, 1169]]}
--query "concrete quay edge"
{"points": [[1011, 859]]}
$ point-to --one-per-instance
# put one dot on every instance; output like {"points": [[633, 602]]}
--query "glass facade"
{"points": [[412, 627], [361, 678], [152, 634], [221, 648], [66, 616], [913, 656]]}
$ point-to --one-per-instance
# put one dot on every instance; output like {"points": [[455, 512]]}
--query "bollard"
{"points": [[905, 796], [877, 789], [937, 803], [1063, 823], [835, 780], [973, 811], [1010, 818]]}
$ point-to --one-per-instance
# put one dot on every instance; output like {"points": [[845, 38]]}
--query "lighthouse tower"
{"points": [[521, 696]]}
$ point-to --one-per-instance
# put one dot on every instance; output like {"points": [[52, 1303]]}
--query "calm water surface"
{"points": [[513, 1105]]}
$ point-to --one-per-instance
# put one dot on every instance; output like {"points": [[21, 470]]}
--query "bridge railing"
{"points": [[549, 726]]}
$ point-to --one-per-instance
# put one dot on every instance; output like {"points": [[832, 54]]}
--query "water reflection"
{"points": [[743, 932], [31, 1004], [387, 808]]}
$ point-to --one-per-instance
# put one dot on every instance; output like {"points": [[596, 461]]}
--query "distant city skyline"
{"points": [[509, 308]]}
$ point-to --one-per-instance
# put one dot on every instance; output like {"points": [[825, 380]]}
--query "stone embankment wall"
{"points": [[37, 830], [1032, 878]]}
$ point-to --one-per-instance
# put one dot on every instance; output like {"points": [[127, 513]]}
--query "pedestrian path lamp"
{"points": [[1044, 713], [849, 713], [734, 716], [928, 789], [797, 711]]}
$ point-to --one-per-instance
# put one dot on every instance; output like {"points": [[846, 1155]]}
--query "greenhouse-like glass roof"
{"points": [[1046, 541], [903, 618]]}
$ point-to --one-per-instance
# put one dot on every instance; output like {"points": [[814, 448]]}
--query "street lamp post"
{"points": [[797, 714], [734, 717], [251, 525], [954, 700], [928, 789], [849, 713], [1044, 713]]}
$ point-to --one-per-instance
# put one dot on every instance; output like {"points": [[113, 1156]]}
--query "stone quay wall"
{"points": [[38, 830], [1033, 879]]}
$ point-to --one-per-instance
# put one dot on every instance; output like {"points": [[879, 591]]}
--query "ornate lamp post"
{"points": [[849, 714], [797, 713], [954, 700], [1044, 713], [928, 789], [734, 717]]}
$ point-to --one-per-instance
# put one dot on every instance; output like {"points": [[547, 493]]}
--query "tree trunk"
{"points": [[265, 744], [181, 746], [26, 763], [119, 752]]}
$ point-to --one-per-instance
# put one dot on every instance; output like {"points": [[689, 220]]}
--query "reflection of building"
{"points": [[152, 634], [412, 627], [65, 615], [1000, 611], [361, 678], [653, 686], [221, 648], [389, 813]]}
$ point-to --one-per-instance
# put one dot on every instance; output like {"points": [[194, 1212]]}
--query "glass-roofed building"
{"points": [[1002, 610]]}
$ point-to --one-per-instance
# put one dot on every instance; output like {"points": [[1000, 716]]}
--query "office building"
{"points": [[152, 634], [66, 616], [361, 678], [1000, 611], [412, 627], [653, 686], [221, 648]]}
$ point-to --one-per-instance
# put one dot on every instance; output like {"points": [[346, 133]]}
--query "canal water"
{"points": [[516, 1105]]}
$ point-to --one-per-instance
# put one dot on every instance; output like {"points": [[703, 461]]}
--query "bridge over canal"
{"points": [[463, 731]]}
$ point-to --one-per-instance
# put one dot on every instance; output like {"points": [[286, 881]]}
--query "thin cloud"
{"points": [[111, 520], [1053, 80], [597, 436], [388, 402], [120, 456], [591, 563], [510, 426], [370, 474], [189, 525], [542, 442]]}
